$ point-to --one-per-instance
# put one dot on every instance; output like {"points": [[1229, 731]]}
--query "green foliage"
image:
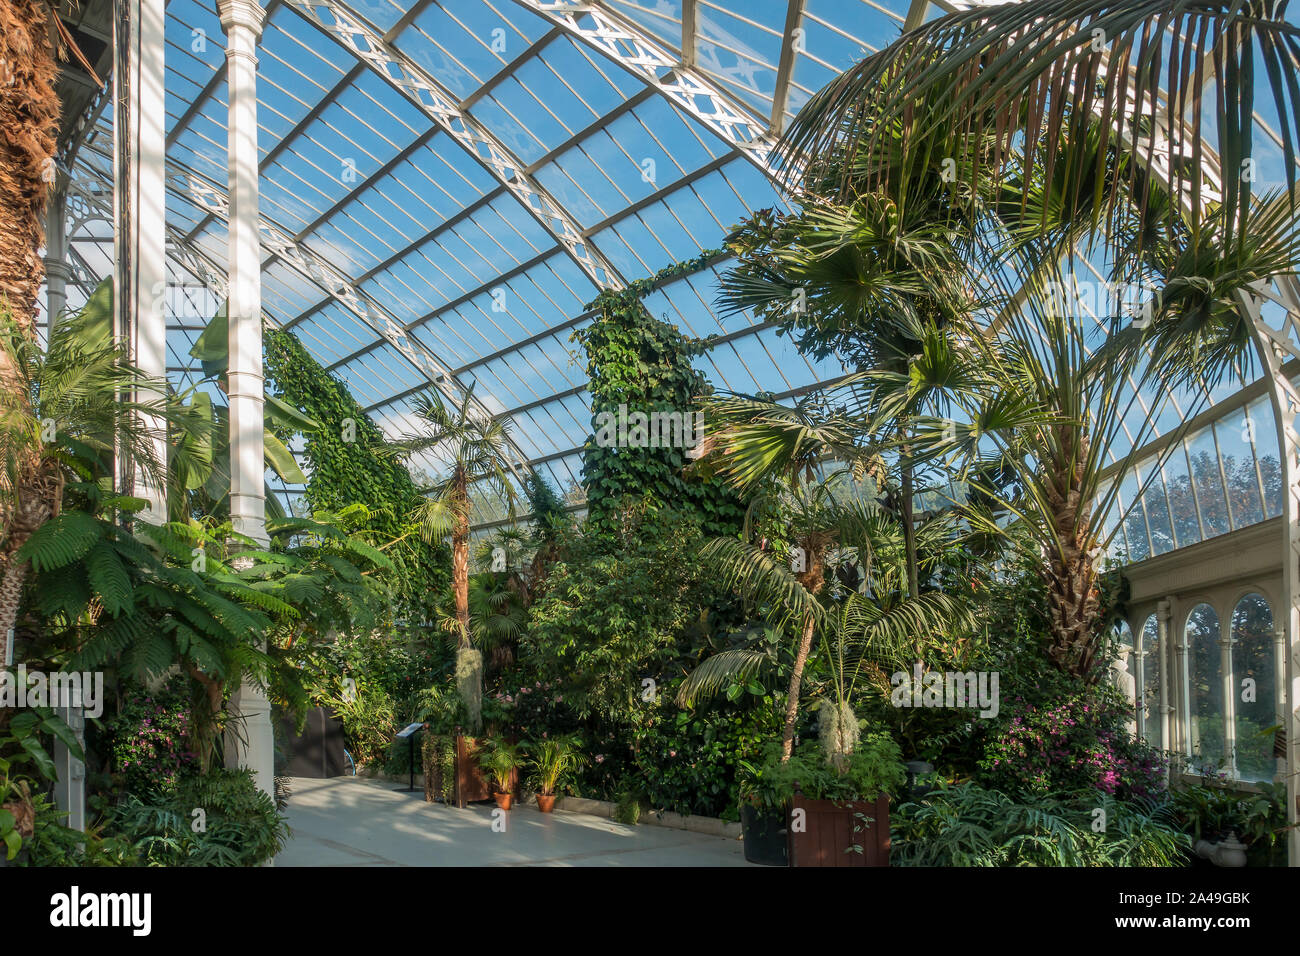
{"points": [[25, 761], [874, 767], [150, 737], [439, 759], [968, 825], [199, 435], [240, 825], [554, 760], [1074, 742], [84, 386], [691, 761], [644, 363], [366, 710], [1258, 818], [617, 602], [53, 843], [499, 759], [627, 808], [351, 462]]}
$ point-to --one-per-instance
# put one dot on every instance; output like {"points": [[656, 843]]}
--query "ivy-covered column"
{"points": [[251, 745]]}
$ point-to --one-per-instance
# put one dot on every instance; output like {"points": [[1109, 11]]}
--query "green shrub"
{"points": [[1072, 743], [53, 843], [238, 825], [150, 738], [1259, 819], [968, 825], [689, 761], [874, 767]]}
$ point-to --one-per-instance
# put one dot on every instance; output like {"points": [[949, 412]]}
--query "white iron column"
{"points": [[252, 744], [1279, 698], [70, 791], [140, 200], [1229, 696], [57, 272], [1164, 613]]}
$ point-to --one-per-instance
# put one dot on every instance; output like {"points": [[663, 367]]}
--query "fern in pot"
{"points": [[554, 761]]}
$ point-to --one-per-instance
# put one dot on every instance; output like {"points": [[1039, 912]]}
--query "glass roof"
{"points": [[446, 183]]}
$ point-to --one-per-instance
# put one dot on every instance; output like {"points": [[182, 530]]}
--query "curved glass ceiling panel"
{"points": [[452, 243]]}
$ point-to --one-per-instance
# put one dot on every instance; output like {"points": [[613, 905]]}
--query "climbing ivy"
{"points": [[640, 365], [349, 464]]}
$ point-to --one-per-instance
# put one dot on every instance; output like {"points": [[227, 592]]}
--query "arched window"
{"points": [[1204, 701], [1253, 678], [1149, 714]]}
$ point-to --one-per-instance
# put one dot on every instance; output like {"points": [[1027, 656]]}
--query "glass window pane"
{"points": [[1204, 457], [1253, 677], [1151, 654], [1182, 502], [1238, 456], [1204, 691]]}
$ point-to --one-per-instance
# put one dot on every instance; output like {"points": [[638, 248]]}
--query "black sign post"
{"points": [[409, 732]]}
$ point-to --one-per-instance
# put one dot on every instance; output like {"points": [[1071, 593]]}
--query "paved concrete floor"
{"points": [[351, 821]]}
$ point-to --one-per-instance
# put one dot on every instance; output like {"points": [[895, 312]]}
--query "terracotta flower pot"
{"points": [[546, 802], [504, 800]]}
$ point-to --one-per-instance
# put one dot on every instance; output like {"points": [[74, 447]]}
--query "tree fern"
{"points": [[60, 541]]}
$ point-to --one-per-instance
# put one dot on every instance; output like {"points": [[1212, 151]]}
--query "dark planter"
{"points": [[832, 833], [471, 784], [764, 831]]}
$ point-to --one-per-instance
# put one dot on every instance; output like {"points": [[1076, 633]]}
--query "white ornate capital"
{"points": [[248, 14]]}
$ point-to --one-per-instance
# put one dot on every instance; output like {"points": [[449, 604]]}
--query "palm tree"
{"points": [[1057, 69], [72, 419], [477, 449], [829, 531], [859, 271], [1071, 160], [29, 123]]}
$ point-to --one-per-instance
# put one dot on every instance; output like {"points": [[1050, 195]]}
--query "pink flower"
{"points": [[672, 753], [600, 758]]}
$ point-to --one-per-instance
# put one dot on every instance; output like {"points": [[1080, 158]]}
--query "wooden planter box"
{"points": [[470, 785], [838, 834]]}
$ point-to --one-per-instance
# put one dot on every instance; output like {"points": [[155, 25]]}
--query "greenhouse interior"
{"points": [[691, 433]]}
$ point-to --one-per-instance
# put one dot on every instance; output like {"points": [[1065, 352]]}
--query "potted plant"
{"points": [[554, 761], [500, 761], [762, 815], [838, 804]]}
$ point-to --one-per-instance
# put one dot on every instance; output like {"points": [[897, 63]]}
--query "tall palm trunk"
{"points": [[29, 121], [460, 557], [29, 117], [1070, 572], [811, 580], [792, 695], [909, 527]]}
